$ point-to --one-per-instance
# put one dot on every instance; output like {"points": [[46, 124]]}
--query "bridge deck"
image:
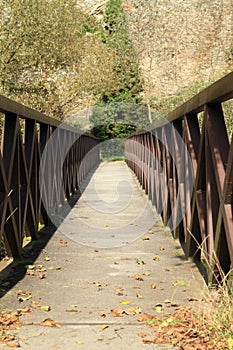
{"points": [[83, 281]]}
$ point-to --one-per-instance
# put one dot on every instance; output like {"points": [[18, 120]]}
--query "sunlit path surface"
{"points": [[112, 210], [82, 283]]}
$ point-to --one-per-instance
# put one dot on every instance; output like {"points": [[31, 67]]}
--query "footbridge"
{"points": [[184, 165], [79, 236]]}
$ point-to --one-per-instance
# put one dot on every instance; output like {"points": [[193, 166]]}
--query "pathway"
{"points": [[110, 253]]}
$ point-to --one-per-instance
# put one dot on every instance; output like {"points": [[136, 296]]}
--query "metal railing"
{"points": [[199, 180], [24, 135]]}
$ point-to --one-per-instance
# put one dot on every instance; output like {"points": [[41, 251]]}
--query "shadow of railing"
{"points": [[17, 269]]}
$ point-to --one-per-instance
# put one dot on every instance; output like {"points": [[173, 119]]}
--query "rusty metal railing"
{"points": [[24, 135], [158, 159]]}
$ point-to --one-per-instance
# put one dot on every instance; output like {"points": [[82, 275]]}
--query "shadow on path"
{"points": [[16, 270]]}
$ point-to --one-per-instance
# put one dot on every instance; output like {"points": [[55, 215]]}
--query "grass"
{"points": [[218, 313], [112, 159], [206, 326], [209, 326]]}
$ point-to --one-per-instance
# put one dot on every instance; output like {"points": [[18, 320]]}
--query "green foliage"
{"points": [[53, 58], [39, 34], [41, 42], [166, 104], [112, 116], [58, 60], [112, 149], [110, 123], [116, 36]]}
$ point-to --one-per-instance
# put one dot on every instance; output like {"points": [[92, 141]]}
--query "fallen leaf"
{"points": [[126, 302], [79, 342], [142, 335], [138, 277], [140, 262], [23, 295], [54, 268], [100, 284], [167, 301], [139, 296], [148, 340], [129, 312], [146, 273], [31, 272], [47, 258], [145, 238], [35, 304], [63, 242], [134, 310], [13, 345], [22, 292], [104, 326], [49, 322], [45, 308], [192, 299], [158, 308], [117, 312], [41, 269], [156, 258], [179, 283], [144, 317], [24, 310], [30, 267]]}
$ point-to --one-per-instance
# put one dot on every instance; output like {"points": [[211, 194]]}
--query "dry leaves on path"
{"points": [[118, 312], [183, 329], [63, 243], [49, 322], [9, 320], [23, 295]]}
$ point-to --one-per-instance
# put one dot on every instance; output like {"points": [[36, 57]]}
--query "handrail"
{"points": [[181, 164], [25, 135]]}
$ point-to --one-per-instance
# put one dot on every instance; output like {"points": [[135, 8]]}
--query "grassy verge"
{"points": [[112, 159]]}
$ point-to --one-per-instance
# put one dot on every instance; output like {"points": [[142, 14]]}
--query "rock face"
{"points": [[180, 42]]}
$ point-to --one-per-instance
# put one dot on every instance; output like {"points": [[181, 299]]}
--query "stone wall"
{"points": [[180, 42]]}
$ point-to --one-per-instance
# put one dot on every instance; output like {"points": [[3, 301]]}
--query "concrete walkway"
{"points": [[110, 253]]}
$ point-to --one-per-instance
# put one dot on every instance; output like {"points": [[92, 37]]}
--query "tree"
{"points": [[52, 56], [112, 116], [116, 36]]}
